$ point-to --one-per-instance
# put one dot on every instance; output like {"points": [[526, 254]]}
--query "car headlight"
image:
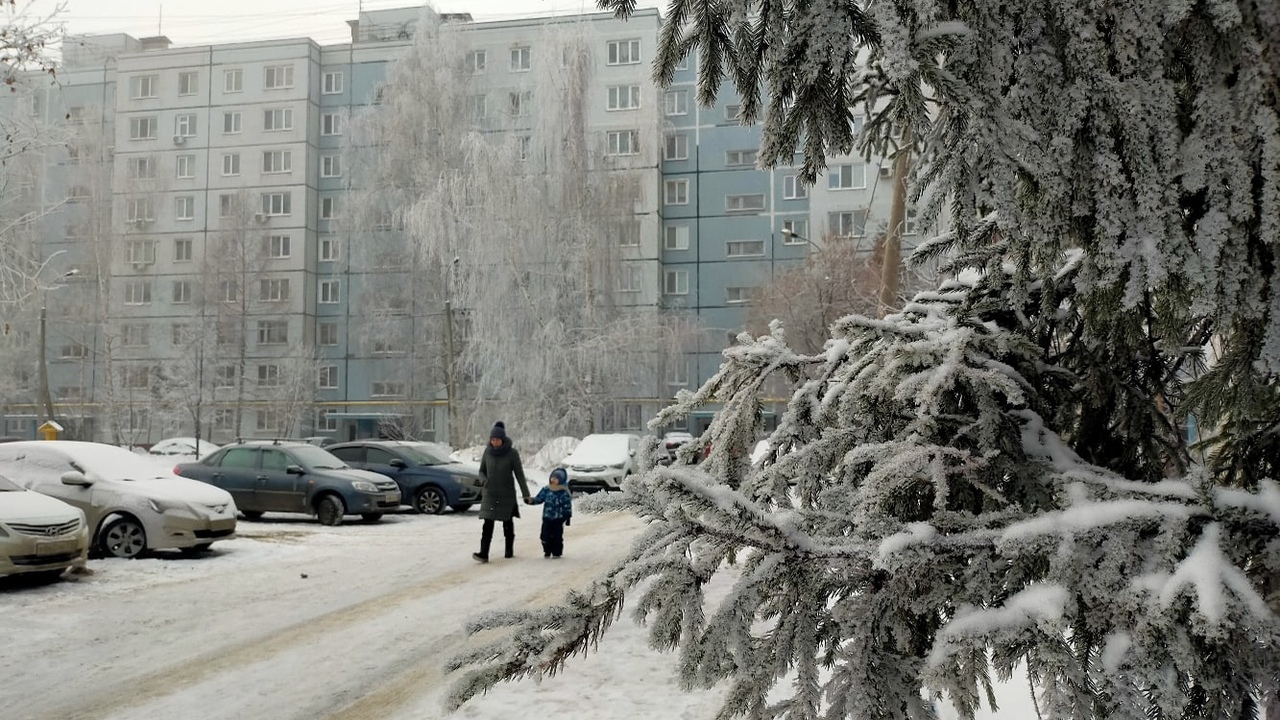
{"points": [[617, 466], [161, 506], [3, 532], [364, 486]]}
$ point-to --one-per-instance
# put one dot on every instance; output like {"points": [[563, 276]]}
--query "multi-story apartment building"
{"points": [[199, 193]]}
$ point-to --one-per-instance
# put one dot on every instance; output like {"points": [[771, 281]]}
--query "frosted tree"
{"points": [[521, 220], [995, 479]]}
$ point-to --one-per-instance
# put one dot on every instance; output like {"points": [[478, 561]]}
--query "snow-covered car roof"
{"points": [[104, 461]]}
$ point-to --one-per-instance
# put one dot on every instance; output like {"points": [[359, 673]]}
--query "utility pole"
{"points": [[451, 389], [44, 370], [891, 258]]}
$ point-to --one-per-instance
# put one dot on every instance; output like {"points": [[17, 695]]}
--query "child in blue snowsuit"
{"points": [[557, 511]]}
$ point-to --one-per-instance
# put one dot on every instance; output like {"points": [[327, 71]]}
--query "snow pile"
{"points": [[468, 455], [553, 453]]}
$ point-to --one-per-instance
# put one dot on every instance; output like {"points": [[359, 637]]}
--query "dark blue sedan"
{"points": [[428, 482]]}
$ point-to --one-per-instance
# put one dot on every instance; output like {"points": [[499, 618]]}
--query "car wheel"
{"points": [[123, 538], [371, 517], [430, 500], [461, 508], [251, 514], [330, 509]]}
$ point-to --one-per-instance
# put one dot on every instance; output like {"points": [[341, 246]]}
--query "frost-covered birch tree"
{"points": [[993, 481], [516, 215]]}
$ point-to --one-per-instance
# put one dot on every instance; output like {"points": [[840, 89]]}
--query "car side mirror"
{"points": [[295, 470], [75, 477], [632, 453], [398, 463]]}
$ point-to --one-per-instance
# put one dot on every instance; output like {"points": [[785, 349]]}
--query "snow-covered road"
{"points": [[295, 620]]}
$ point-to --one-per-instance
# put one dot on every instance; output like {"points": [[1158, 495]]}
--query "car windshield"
{"points": [[424, 454], [7, 485], [317, 458]]}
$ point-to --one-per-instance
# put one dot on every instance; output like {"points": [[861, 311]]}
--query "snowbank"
{"points": [[554, 452]]}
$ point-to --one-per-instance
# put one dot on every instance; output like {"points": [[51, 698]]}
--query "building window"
{"points": [[188, 83], [740, 158], [624, 52], [329, 249], [624, 97], [744, 203], [143, 87], [737, 295], [330, 292], [139, 210], [73, 350], [331, 124], [327, 334], [137, 292], [224, 376], [478, 106], [230, 164], [277, 246], [277, 77], [733, 113], [186, 166], [387, 389], [75, 115], [277, 120], [744, 248], [628, 232], [232, 123], [328, 208], [227, 333], [268, 376], [325, 423], [520, 58], [331, 166], [678, 373], [142, 128], [141, 252], [179, 334], [793, 188], [676, 147], [521, 102], [229, 291], [136, 378], [232, 81], [227, 205], [224, 419], [675, 102], [78, 193], [277, 204], [277, 161], [184, 207], [676, 192], [523, 148], [624, 142], [273, 289], [910, 225], [332, 84], [387, 347], [328, 377], [184, 125], [629, 279], [847, 177], [675, 282], [182, 250], [141, 168], [675, 237], [476, 61], [847, 223], [273, 332], [795, 232], [181, 292]]}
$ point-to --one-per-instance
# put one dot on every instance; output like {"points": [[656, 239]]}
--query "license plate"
{"points": [[55, 547], [392, 497]]}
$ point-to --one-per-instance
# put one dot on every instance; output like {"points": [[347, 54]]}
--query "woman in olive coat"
{"points": [[500, 469]]}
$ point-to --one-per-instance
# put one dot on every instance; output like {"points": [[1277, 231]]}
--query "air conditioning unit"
{"points": [[259, 218], [886, 172], [179, 140]]}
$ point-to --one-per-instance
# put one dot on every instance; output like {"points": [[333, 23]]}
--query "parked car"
{"points": [[39, 535], [673, 441], [602, 461], [131, 504], [294, 477], [429, 482], [183, 446]]}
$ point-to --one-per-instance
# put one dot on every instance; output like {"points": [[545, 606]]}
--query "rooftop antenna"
{"points": [[160, 21]]}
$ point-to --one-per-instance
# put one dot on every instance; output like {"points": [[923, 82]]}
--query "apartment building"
{"points": [[200, 196]]}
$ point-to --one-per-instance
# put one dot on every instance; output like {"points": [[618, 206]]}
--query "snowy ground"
{"points": [[295, 620]]}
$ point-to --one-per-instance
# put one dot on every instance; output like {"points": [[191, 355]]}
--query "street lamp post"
{"points": [[45, 396]]}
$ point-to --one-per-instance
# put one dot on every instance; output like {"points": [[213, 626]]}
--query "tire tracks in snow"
{"points": [[420, 673]]}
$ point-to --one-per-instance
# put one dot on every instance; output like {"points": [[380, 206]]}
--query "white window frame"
{"points": [[383, 388], [269, 158], [269, 117], [793, 188], [279, 246], [232, 123], [737, 294], [183, 250], [233, 81], [675, 282], [331, 83], [268, 376], [137, 292], [741, 158], [331, 124], [330, 249], [478, 106], [328, 208], [140, 210], [521, 58], [795, 236], [623, 52], [478, 61], [623, 97], [323, 332], [675, 103], [140, 252], [273, 290], [230, 164], [330, 166], [277, 204], [184, 208], [675, 237], [675, 147], [272, 332], [329, 292], [745, 203], [733, 113], [184, 125], [144, 87], [328, 378], [630, 278], [520, 102], [188, 83], [675, 192], [143, 128], [623, 142], [141, 168], [185, 167], [744, 248], [181, 292], [837, 226], [843, 177], [277, 77]]}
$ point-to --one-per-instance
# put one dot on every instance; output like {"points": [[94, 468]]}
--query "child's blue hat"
{"points": [[561, 475]]}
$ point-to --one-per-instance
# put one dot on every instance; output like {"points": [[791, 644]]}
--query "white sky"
{"points": [[194, 22]]}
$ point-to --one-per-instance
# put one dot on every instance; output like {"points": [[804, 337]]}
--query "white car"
{"points": [[184, 446], [602, 461], [39, 535], [131, 504]]}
